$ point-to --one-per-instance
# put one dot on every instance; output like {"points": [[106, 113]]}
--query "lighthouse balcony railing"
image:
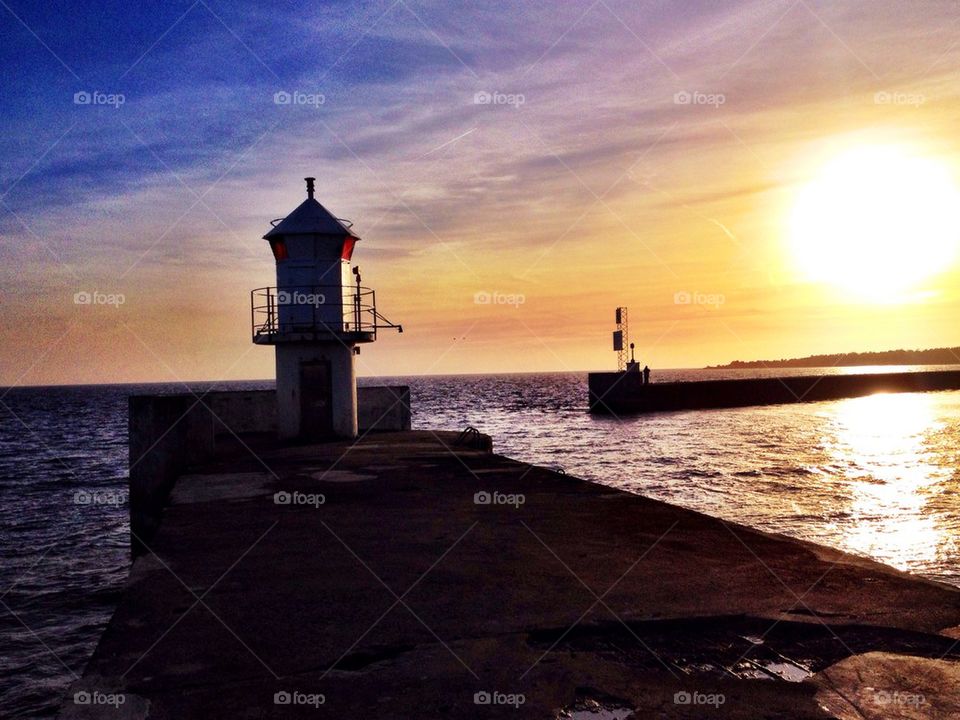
{"points": [[313, 312]]}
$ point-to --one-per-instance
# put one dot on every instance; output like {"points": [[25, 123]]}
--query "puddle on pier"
{"points": [[594, 705], [740, 647]]}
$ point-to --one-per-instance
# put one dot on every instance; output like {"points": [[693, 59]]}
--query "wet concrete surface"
{"points": [[407, 577]]}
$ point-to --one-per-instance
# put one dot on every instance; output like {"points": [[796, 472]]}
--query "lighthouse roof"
{"points": [[310, 218]]}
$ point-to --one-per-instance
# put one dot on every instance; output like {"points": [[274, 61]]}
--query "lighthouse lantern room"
{"points": [[315, 317]]}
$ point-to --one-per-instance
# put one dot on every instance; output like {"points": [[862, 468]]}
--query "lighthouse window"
{"points": [[348, 244], [279, 249]]}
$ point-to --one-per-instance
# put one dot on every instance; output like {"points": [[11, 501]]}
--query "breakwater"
{"points": [[612, 393]]}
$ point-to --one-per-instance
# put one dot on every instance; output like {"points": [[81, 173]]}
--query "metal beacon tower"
{"points": [[316, 317]]}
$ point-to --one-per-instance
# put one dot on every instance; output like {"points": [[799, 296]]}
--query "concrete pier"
{"points": [[615, 393], [407, 576]]}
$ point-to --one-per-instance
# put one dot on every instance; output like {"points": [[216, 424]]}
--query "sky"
{"points": [[515, 170]]}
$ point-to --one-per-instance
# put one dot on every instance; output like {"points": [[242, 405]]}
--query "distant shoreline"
{"points": [[933, 356]]}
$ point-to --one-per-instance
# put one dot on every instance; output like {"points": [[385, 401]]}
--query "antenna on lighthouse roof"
{"points": [[310, 187]]}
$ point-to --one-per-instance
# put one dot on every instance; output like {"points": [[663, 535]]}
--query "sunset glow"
{"points": [[768, 161]]}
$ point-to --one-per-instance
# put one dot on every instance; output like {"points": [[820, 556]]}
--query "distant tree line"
{"points": [[932, 356]]}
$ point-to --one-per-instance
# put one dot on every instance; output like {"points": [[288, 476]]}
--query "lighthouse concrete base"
{"points": [[316, 391]]}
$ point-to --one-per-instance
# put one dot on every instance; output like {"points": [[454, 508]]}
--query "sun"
{"points": [[876, 220]]}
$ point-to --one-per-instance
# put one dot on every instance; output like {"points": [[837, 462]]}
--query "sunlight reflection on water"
{"points": [[884, 443]]}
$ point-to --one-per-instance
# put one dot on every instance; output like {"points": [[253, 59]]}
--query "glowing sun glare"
{"points": [[876, 220]]}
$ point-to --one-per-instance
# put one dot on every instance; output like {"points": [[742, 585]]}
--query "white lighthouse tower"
{"points": [[316, 317]]}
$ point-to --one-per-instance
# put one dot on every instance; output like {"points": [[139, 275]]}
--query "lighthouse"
{"points": [[316, 317]]}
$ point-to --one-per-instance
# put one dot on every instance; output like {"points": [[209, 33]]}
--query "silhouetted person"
{"points": [[646, 374]]}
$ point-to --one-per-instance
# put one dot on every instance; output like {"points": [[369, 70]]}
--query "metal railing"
{"points": [[298, 312]]}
